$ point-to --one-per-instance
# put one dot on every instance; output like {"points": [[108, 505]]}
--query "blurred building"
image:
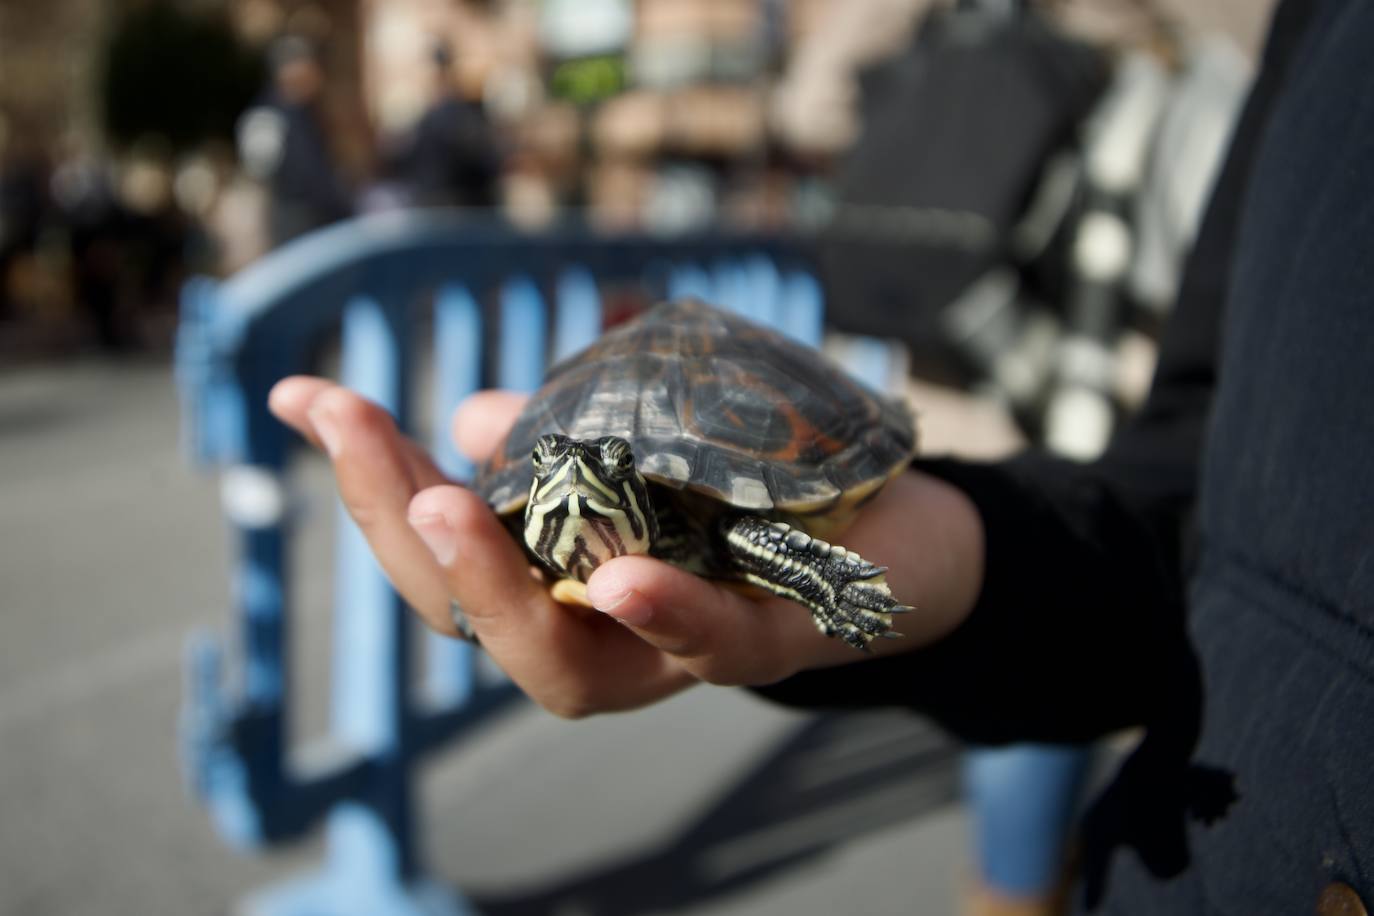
{"points": [[47, 60], [639, 114]]}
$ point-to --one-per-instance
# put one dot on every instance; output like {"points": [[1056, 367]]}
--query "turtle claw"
{"points": [[570, 591], [847, 596]]}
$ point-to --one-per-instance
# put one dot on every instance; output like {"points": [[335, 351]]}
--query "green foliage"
{"points": [[175, 76], [589, 79]]}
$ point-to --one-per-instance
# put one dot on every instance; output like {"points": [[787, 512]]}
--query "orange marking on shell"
{"points": [[805, 436]]}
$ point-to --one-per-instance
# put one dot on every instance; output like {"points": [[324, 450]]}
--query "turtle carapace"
{"points": [[700, 438]]}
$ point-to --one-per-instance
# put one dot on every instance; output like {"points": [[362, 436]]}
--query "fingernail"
{"points": [[326, 429], [626, 605], [434, 530]]}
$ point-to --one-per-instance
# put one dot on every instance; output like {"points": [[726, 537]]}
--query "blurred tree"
{"points": [[175, 75]]}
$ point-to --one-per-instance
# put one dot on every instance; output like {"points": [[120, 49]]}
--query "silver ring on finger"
{"points": [[461, 621]]}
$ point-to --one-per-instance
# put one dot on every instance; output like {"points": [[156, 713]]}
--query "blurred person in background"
{"points": [[23, 201], [282, 143], [126, 238], [97, 224], [453, 158]]}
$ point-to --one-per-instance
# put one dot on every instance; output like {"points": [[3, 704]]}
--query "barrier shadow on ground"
{"points": [[835, 779]]}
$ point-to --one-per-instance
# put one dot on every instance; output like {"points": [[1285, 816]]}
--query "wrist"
{"points": [[930, 536]]}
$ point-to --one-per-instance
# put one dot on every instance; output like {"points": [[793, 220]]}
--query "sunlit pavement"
{"points": [[113, 550]]}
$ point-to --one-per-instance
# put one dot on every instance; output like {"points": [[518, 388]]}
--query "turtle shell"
{"points": [[717, 405]]}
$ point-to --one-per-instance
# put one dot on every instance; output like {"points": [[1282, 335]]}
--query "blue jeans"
{"points": [[1023, 798]]}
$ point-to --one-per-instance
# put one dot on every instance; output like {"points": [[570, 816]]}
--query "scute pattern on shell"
{"points": [[714, 403]]}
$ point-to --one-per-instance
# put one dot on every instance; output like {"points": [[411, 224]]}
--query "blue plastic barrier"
{"points": [[373, 278]]}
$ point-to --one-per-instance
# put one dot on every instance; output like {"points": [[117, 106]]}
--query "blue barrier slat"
{"points": [[262, 602], [577, 315], [193, 365], [803, 307], [449, 670], [523, 335], [213, 408], [457, 370], [370, 839], [689, 281], [365, 643], [870, 362], [764, 290], [450, 673], [365, 697], [729, 285], [212, 769]]}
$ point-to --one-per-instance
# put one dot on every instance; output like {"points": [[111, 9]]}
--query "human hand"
{"points": [[660, 629]]}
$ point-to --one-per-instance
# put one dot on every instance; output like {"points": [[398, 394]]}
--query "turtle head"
{"points": [[587, 504]]}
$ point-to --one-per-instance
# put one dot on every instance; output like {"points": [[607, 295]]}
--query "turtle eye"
{"points": [[616, 456], [543, 455]]}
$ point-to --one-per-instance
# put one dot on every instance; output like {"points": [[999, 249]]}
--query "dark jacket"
{"points": [[453, 159], [1212, 576]]}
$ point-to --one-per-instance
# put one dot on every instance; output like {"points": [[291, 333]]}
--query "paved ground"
{"points": [[111, 551]]}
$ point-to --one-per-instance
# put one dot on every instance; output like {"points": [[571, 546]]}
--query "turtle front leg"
{"points": [[848, 596]]}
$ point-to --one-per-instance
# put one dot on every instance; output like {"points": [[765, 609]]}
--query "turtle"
{"points": [[701, 438]]}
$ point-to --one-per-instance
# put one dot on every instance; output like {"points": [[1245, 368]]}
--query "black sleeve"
{"points": [[1079, 625]]}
